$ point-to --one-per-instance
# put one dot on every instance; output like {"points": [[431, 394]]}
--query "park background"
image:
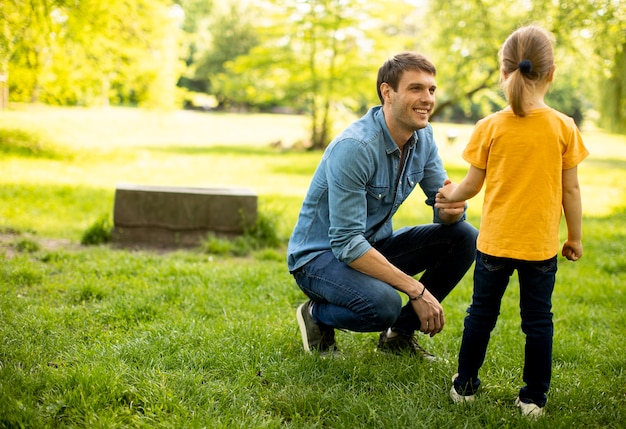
{"points": [[245, 93]]}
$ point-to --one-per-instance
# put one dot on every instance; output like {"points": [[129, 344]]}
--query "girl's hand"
{"points": [[572, 250]]}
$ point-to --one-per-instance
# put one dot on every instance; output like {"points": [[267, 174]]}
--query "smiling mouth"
{"points": [[421, 111]]}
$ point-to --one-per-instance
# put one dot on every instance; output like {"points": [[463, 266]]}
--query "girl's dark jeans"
{"points": [[491, 277]]}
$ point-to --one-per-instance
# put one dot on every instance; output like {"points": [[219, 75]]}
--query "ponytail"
{"points": [[526, 60]]}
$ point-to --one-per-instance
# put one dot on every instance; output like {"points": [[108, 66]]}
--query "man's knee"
{"points": [[465, 240], [466, 233], [386, 309]]}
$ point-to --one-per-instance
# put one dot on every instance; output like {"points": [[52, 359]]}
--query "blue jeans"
{"points": [[491, 277], [348, 299]]}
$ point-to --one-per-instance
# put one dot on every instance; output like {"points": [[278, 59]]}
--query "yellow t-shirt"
{"points": [[524, 159]]}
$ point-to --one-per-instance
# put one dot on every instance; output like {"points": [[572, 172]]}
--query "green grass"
{"points": [[104, 337]]}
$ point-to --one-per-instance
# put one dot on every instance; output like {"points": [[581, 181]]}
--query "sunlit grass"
{"points": [[104, 337], [104, 148]]}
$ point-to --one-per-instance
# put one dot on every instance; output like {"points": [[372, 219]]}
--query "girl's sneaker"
{"points": [[458, 398], [529, 409]]}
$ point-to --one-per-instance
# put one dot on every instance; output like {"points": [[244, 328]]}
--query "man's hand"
{"points": [[427, 308], [454, 210], [430, 313]]}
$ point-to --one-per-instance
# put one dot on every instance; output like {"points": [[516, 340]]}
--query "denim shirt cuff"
{"points": [[353, 250]]}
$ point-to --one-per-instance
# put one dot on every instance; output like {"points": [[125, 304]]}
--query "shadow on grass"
{"points": [[607, 163], [29, 144], [294, 162], [603, 164], [218, 150]]}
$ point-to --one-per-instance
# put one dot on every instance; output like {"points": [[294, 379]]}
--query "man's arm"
{"points": [[427, 308]]}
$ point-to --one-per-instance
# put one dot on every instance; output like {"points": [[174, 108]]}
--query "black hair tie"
{"points": [[525, 66]]}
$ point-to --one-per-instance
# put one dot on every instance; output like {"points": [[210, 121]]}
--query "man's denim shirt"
{"points": [[356, 190]]}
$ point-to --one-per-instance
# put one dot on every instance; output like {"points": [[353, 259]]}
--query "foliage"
{"points": [[26, 245], [232, 35], [464, 47], [262, 235], [217, 245], [99, 232], [470, 35], [314, 57], [611, 55], [90, 52]]}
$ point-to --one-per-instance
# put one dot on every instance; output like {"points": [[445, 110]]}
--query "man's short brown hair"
{"points": [[391, 71]]}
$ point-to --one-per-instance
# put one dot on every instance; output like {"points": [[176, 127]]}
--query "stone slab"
{"points": [[180, 216]]}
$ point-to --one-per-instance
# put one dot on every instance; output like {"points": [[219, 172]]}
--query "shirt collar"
{"points": [[390, 145]]}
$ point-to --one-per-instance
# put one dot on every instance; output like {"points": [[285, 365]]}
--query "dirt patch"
{"points": [[11, 242], [14, 243]]}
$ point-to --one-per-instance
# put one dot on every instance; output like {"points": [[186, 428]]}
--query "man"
{"points": [[343, 252]]}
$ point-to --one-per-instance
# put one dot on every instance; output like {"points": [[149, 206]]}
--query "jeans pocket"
{"points": [[546, 266], [302, 280], [492, 263]]}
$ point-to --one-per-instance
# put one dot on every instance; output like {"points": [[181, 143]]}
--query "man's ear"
{"points": [[385, 91]]}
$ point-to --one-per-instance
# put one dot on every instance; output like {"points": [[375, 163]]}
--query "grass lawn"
{"points": [[105, 337]]}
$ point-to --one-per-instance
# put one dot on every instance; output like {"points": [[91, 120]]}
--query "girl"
{"points": [[527, 155]]}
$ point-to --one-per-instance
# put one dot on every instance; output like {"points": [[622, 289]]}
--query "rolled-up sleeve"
{"points": [[348, 171]]}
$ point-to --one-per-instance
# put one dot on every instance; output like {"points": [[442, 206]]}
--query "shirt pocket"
{"points": [[377, 197], [409, 183], [413, 178]]}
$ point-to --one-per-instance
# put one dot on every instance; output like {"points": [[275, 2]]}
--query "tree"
{"points": [[232, 35], [609, 33], [24, 39], [88, 51], [196, 40], [464, 41], [315, 56], [591, 41]]}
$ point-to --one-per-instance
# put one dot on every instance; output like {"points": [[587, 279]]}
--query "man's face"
{"points": [[414, 101]]}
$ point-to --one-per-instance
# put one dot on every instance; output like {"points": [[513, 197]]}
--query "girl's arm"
{"points": [[572, 207], [468, 188]]}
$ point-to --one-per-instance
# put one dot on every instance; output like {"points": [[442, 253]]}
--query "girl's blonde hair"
{"points": [[527, 59]]}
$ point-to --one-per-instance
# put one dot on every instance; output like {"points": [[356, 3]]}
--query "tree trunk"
{"points": [[4, 86]]}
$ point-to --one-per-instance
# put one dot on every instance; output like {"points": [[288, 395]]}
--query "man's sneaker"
{"points": [[529, 409], [401, 344], [459, 398], [314, 337]]}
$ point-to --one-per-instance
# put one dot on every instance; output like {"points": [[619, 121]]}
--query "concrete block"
{"points": [[168, 216]]}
